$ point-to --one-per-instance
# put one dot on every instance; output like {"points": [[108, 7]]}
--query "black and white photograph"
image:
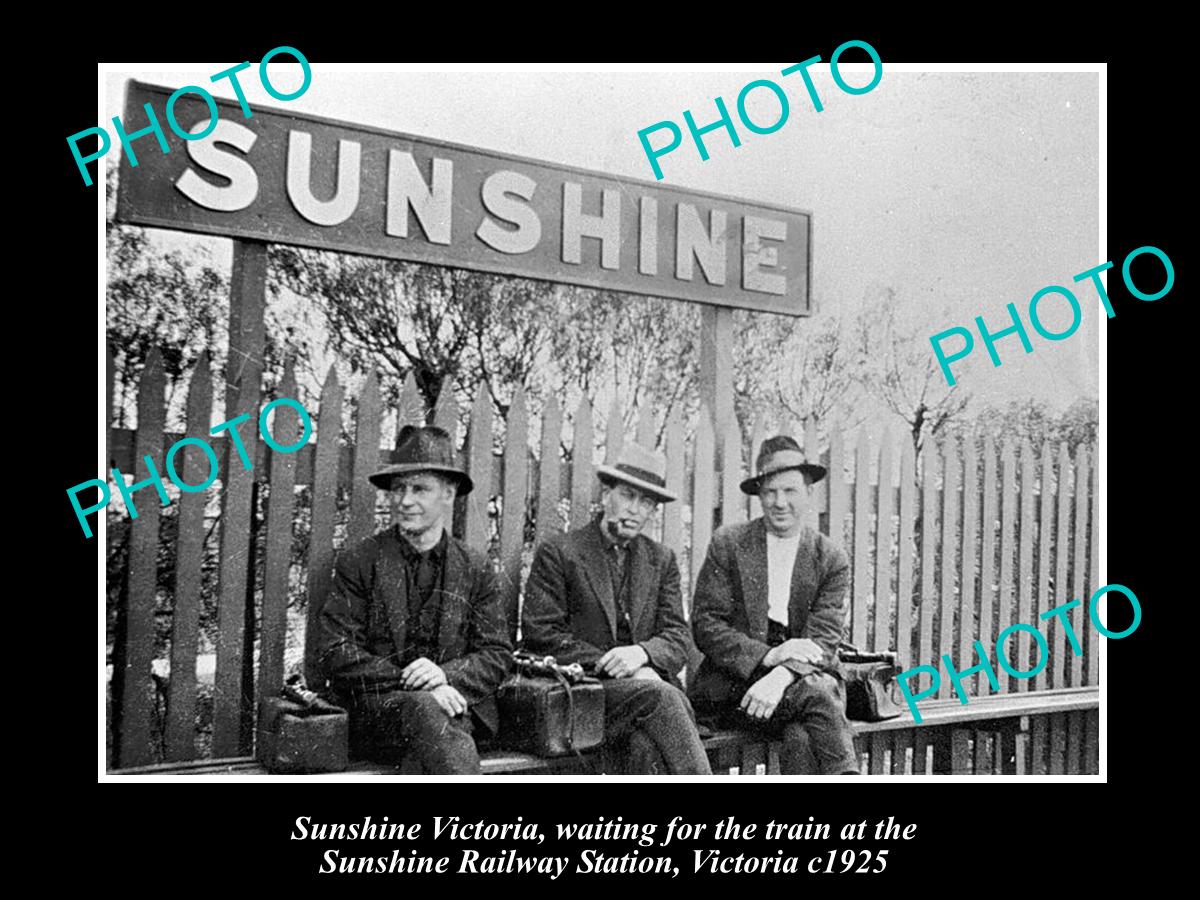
{"points": [[446, 438]]}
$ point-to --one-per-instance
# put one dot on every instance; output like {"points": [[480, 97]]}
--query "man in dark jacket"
{"points": [[414, 635], [607, 597], [768, 614]]}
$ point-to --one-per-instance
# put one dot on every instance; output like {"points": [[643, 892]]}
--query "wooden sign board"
{"points": [[316, 182]]}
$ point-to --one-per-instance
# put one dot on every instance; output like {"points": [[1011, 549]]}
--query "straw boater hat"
{"points": [[423, 449], [642, 468], [780, 454]]}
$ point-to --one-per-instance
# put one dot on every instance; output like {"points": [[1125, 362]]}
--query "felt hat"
{"points": [[781, 454], [642, 468], [423, 449]]}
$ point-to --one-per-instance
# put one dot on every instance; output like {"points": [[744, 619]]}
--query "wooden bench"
{"points": [[1044, 732]]}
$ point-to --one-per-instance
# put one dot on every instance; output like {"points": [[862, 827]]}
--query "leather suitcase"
{"points": [[291, 739], [870, 684], [537, 714]]}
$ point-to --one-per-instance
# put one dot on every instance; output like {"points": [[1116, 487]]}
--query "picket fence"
{"points": [[943, 553]]}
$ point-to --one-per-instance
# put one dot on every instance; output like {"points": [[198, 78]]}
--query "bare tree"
{"points": [[644, 346], [815, 374], [1033, 420], [899, 368], [174, 301]]}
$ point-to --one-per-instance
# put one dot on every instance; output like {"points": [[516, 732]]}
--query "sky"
{"points": [[960, 191]]}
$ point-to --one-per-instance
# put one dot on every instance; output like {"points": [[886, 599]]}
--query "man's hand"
{"points": [[798, 649], [645, 673], [449, 699], [764, 695], [422, 675], [621, 662]]}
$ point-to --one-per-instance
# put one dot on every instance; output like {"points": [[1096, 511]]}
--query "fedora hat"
{"points": [[642, 468], [781, 454], [422, 449]]}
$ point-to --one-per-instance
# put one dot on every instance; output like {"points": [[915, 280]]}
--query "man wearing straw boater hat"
{"points": [[414, 635], [607, 597], [768, 614]]}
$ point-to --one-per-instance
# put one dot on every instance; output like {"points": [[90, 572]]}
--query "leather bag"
{"points": [[301, 732], [550, 710], [870, 684]]}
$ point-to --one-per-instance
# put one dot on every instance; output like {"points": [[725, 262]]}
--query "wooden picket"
{"points": [[411, 410], [614, 428], [1022, 642], [880, 635], [836, 489], [324, 510], [516, 489], [445, 411], [990, 554], [906, 557], [646, 428], [672, 533], [1079, 615], [287, 429], [131, 666], [1093, 654], [987, 561], [479, 461], [110, 371], [366, 460], [1007, 596], [549, 471], [928, 547], [581, 465], [1062, 650], [180, 736], [860, 586], [230, 702], [968, 627]]}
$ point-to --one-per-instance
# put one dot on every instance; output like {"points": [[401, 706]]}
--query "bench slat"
{"points": [[1058, 739], [1091, 742], [1074, 741], [901, 748], [734, 750]]}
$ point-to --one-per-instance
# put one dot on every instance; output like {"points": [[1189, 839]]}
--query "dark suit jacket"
{"points": [[729, 612], [368, 604], [570, 610]]}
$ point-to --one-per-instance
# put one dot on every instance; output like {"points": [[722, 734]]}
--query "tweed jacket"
{"points": [[729, 612], [368, 605], [570, 608]]}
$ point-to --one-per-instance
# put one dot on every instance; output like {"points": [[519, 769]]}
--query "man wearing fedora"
{"points": [[413, 633], [768, 613], [607, 597]]}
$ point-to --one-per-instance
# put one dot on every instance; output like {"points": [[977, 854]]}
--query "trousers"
{"points": [[650, 725], [811, 723], [409, 728]]}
